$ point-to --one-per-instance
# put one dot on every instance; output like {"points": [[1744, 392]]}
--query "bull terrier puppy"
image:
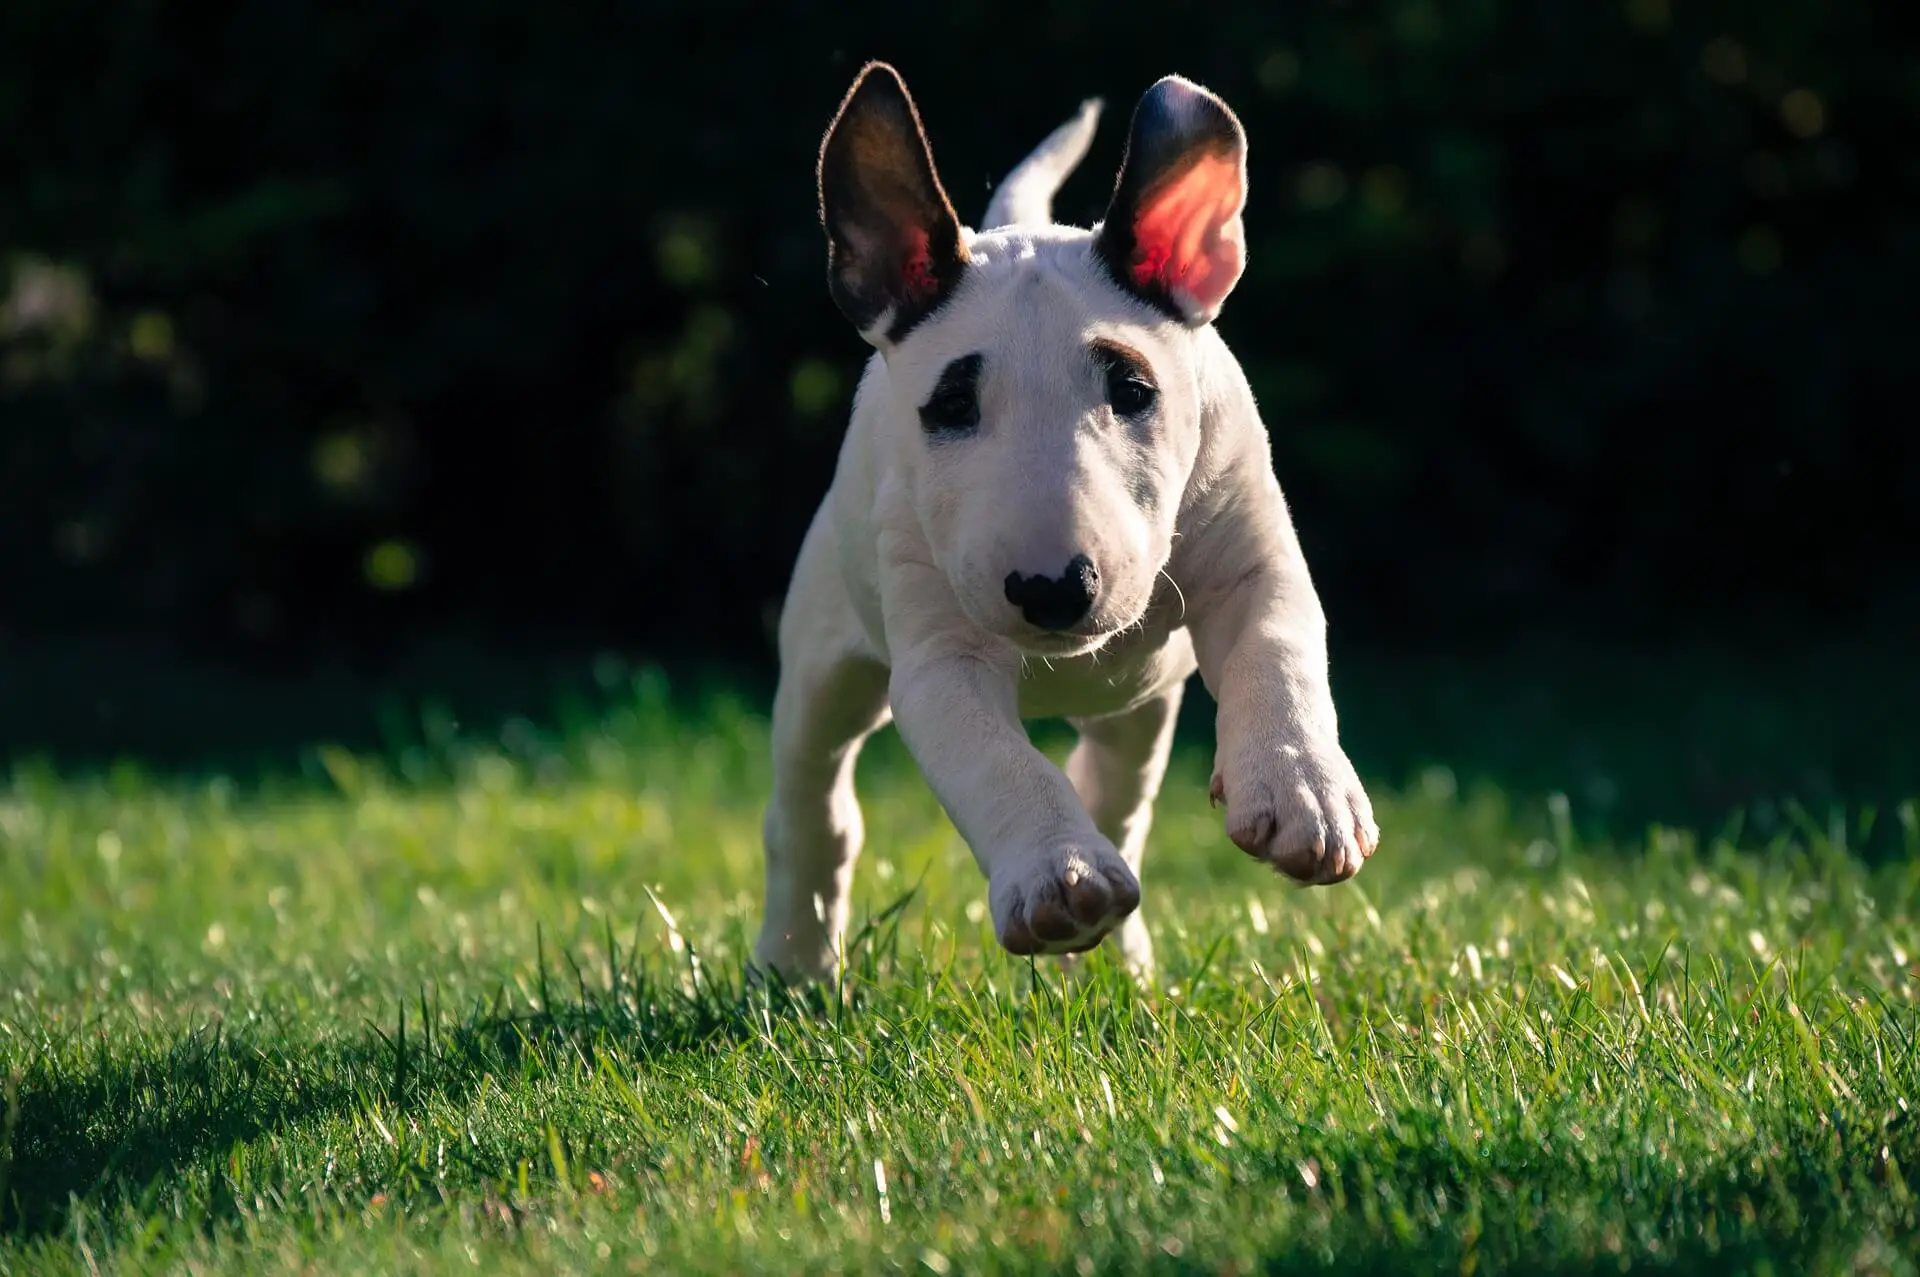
{"points": [[1055, 499]]}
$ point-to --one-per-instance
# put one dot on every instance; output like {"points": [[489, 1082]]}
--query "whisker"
{"points": [[1177, 591]]}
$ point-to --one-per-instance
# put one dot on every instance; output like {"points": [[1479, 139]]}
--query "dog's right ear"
{"points": [[894, 250], [1172, 235]]}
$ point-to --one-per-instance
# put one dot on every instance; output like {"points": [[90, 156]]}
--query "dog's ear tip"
{"points": [[879, 78], [1179, 85], [877, 97], [1178, 96], [1170, 89], [1177, 113]]}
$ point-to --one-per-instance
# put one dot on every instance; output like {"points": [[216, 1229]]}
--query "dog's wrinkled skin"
{"points": [[1055, 499]]}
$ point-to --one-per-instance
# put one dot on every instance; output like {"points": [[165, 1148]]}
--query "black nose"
{"points": [[1056, 602]]}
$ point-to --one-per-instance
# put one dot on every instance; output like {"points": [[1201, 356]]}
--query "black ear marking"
{"points": [[894, 251]]}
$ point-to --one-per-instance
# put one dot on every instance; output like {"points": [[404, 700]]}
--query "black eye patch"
{"points": [[1129, 380], [953, 409]]}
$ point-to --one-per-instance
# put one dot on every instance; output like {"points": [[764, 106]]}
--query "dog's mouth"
{"points": [[1056, 644], [1060, 644]]}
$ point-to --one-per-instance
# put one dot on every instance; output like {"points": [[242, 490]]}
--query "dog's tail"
{"points": [[1026, 197]]}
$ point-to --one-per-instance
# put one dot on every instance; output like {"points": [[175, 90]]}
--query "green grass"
{"points": [[429, 1012]]}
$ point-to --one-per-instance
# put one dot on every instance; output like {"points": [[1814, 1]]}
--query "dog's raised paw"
{"points": [[1300, 809], [1062, 899]]}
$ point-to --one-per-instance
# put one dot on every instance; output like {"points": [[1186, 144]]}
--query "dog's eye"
{"points": [[954, 407], [950, 411], [1130, 394], [1130, 388]]}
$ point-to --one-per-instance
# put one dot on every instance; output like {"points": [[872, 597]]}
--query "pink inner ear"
{"points": [[916, 272], [1187, 233]]}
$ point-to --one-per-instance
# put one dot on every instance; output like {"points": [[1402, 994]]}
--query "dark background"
{"points": [[335, 339]]}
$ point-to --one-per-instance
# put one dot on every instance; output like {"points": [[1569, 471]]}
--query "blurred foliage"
{"points": [[318, 322]]}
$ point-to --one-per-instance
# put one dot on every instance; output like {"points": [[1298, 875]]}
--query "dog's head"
{"points": [[1044, 380]]}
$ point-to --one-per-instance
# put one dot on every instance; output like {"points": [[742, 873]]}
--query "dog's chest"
{"points": [[1133, 669]]}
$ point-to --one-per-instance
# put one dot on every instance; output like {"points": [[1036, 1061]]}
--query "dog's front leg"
{"points": [[1293, 799], [1055, 884]]}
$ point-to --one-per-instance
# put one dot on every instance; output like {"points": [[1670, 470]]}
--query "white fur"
{"points": [[1026, 197], [897, 609]]}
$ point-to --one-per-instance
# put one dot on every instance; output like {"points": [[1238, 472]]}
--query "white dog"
{"points": [[1056, 499]]}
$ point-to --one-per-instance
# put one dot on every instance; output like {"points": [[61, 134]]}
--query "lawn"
{"points": [[476, 1001]]}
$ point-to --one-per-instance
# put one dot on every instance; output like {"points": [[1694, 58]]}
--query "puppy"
{"points": [[1055, 499]]}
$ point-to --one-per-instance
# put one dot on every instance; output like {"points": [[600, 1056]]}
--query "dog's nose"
{"points": [[1055, 602]]}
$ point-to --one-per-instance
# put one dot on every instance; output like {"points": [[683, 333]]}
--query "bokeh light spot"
{"points": [[1320, 185], [1384, 190], [392, 566], [684, 258], [1279, 70], [1804, 114], [816, 387], [81, 540], [1724, 61], [1651, 16], [340, 461], [1416, 22], [151, 337], [46, 296]]}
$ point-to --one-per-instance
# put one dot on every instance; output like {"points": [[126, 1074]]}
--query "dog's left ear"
{"points": [[894, 248], [1172, 234]]}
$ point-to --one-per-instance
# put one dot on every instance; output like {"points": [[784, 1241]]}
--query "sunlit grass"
{"points": [[480, 1004]]}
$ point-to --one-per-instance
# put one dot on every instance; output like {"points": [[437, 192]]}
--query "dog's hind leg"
{"points": [[831, 697], [1116, 768]]}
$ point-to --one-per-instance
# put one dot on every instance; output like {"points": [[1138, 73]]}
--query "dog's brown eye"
{"points": [[954, 408], [1130, 388], [1129, 394], [950, 411]]}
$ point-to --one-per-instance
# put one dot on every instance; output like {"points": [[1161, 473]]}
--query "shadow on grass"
{"points": [[121, 1128], [88, 1123]]}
